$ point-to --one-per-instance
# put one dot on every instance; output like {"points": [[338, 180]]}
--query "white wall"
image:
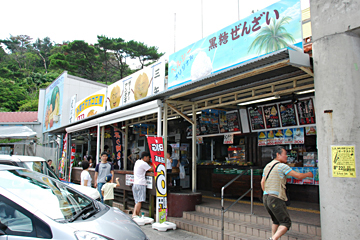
{"points": [[79, 86]]}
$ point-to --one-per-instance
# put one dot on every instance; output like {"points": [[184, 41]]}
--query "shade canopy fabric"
{"points": [[16, 132]]}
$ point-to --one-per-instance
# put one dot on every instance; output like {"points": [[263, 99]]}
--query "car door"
{"points": [[18, 223]]}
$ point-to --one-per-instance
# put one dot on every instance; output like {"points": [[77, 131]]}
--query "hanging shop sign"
{"points": [[72, 158], [233, 121], [53, 104], [288, 136], [281, 136], [343, 161], [306, 181], [306, 111], [143, 83], [287, 114], [91, 105], [283, 115], [72, 109], [242, 41], [271, 115], [129, 180], [144, 129], [299, 136], [63, 157], [310, 131], [256, 118], [229, 138], [156, 147], [209, 121], [116, 136]]}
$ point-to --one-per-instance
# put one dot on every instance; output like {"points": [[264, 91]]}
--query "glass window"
{"points": [[51, 197], [15, 220]]}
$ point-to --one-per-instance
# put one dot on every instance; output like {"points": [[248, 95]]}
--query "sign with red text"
{"points": [[228, 138], [156, 147]]}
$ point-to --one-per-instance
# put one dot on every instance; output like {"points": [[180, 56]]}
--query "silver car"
{"points": [[35, 206]]}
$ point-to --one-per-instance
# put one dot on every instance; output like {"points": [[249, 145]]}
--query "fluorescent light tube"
{"points": [[257, 101], [306, 91]]}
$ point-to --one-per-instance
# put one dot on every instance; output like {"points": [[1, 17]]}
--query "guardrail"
{"points": [[222, 197]]}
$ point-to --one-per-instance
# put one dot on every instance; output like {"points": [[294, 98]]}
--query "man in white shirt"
{"points": [[139, 188]]}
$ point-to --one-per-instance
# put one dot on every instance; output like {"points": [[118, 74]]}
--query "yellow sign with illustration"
{"points": [[141, 84], [91, 105], [343, 161]]}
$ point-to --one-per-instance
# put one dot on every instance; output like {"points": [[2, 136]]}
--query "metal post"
{"points": [[126, 145], [193, 149], [222, 213], [252, 191], [97, 145]]}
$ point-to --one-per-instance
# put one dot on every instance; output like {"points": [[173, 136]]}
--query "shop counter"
{"points": [[123, 194], [209, 179]]}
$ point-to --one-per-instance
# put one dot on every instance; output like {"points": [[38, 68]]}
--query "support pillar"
{"points": [[336, 54]]}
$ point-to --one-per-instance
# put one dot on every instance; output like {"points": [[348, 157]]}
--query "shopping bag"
{"points": [[182, 172]]}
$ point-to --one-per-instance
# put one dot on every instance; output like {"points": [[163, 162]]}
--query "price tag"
{"points": [[228, 138]]}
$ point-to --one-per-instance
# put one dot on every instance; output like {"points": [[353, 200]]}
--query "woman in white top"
{"points": [[85, 175]]}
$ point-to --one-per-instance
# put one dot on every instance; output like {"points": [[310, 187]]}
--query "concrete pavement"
{"points": [[153, 234]]}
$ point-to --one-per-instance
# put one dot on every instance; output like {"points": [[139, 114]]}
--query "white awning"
{"points": [[122, 115], [17, 132]]}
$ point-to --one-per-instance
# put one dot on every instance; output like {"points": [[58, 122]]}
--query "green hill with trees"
{"points": [[27, 65]]}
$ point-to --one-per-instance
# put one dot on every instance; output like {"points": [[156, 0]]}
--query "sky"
{"points": [[167, 24]]}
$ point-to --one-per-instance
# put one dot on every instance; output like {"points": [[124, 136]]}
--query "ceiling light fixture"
{"points": [[306, 91], [257, 101], [172, 118], [190, 114]]}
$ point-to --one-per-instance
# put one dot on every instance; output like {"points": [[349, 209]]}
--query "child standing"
{"points": [[107, 190]]}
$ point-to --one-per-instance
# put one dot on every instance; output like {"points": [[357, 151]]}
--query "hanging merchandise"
{"points": [[63, 157], [72, 158]]}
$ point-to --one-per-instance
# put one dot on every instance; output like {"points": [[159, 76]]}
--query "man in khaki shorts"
{"points": [[273, 183], [139, 188]]}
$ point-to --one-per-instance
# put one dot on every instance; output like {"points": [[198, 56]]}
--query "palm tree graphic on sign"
{"points": [[273, 37]]}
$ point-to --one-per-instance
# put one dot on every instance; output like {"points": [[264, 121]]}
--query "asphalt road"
{"points": [[170, 234]]}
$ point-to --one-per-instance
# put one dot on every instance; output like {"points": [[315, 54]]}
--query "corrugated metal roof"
{"points": [[238, 69], [18, 117]]}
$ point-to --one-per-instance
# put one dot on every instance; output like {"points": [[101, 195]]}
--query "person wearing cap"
{"points": [[101, 171], [139, 188], [107, 191]]}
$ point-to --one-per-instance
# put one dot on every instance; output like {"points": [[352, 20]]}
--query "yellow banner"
{"points": [[94, 100], [343, 161]]}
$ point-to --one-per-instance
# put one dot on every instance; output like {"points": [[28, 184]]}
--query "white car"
{"points": [[39, 164], [36, 206]]}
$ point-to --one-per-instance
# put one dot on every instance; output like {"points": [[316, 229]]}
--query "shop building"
{"points": [[219, 120]]}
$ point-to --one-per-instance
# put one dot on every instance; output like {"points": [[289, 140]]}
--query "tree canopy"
{"points": [[27, 65]]}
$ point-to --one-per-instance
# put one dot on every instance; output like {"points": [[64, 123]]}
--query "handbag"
{"points": [[287, 203]]}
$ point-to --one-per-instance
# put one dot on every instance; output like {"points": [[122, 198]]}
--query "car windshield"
{"points": [[53, 198], [39, 166]]}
